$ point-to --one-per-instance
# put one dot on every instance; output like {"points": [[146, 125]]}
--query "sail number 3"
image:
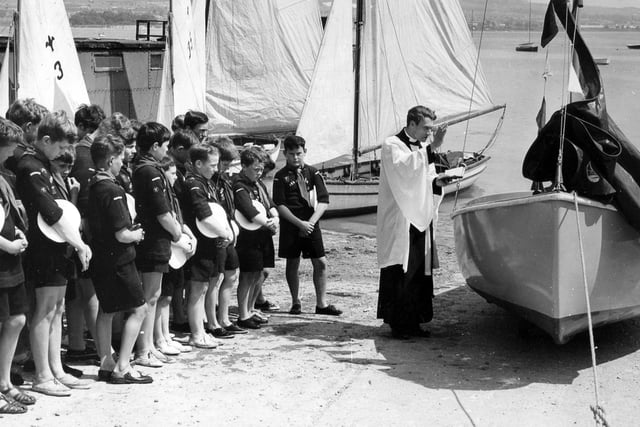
{"points": [[56, 65]]}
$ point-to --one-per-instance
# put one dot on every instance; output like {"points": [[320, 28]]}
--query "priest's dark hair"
{"points": [[419, 112], [194, 118], [105, 146], [293, 142], [150, 133]]}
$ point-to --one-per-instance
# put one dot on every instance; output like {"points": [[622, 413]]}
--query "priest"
{"points": [[408, 198]]}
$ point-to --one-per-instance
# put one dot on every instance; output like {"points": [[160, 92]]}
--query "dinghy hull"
{"points": [[522, 252]]}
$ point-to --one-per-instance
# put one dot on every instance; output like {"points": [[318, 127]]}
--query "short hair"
{"points": [[67, 156], [167, 163], [89, 116], [183, 138], [194, 118], [57, 126], [419, 112], [150, 133], [26, 110], [10, 133], [226, 147], [118, 124], [177, 123], [105, 146], [293, 142], [250, 155], [201, 152]]}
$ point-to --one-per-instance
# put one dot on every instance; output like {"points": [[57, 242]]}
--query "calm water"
{"points": [[515, 78]]}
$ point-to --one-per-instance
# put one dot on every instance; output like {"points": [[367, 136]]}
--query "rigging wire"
{"points": [[473, 90]]}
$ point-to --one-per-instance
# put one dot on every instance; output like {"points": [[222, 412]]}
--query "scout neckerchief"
{"points": [[264, 197], [12, 205], [302, 186], [148, 160]]}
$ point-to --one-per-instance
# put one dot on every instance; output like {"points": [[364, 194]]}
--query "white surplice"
{"points": [[405, 198]]}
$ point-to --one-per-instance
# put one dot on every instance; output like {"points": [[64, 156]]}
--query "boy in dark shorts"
{"points": [[155, 206], [113, 268], [13, 297], [206, 265], [300, 229], [48, 265], [224, 191], [255, 248]]}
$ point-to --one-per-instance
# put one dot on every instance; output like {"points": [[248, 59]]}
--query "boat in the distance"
{"points": [[528, 46], [349, 114], [602, 61], [551, 254], [634, 46]]}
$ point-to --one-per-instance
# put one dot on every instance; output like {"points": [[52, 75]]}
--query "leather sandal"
{"points": [[11, 407], [19, 396]]}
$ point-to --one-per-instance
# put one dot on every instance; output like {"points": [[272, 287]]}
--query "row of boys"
{"points": [[126, 261]]}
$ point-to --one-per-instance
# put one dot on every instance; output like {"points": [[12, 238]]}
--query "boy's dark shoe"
{"points": [[248, 324], [235, 329], [81, 355], [296, 309], [330, 310], [266, 306], [72, 371], [180, 327]]}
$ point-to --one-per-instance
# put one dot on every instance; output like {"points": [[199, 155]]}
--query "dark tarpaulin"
{"points": [[599, 161]]}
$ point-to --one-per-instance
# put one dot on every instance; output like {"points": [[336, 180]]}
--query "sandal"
{"points": [[19, 396], [11, 407]]}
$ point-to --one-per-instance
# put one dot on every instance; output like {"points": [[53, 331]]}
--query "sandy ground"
{"points": [[475, 370]]}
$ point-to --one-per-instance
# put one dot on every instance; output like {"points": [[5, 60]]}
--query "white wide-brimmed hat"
{"points": [[216, 221], [69, 221], [250, 225]]}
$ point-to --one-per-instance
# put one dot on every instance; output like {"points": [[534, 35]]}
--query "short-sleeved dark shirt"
{"points": [[286, 191], [38, 192], [198, 193], [107, 213], [124, 179], [244, 192], [154, 197], [11, 273], [83, 170]]}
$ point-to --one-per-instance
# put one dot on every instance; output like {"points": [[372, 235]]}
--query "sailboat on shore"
{"points": [[566, 257], [357, 99]]}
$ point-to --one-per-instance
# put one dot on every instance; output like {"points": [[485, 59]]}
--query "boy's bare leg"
{"points": [[151, 284], [195, 308], [41, 324], [291, 273], [9, 332], [211, 301], [320, 280], [162, 314], [89, 303], [55, 337], [224, 296], [129, 334], [103, 340], [245, 287]]}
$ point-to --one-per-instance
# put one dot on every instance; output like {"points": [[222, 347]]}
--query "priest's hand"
{"points": [[438, 136]]}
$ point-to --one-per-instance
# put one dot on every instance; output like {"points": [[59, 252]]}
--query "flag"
{"points": [[49, 66], [550, 28], [541, 117]]}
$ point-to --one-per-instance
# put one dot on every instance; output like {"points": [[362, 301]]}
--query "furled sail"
{"points": [[260, 57], [416, 52], [4, 79], [182, 81], [327, 118], [49, 70]]}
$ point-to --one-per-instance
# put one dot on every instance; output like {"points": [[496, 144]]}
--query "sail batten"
{"points": [[260, 59]]}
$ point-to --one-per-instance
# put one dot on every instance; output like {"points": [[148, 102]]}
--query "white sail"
{"points": [[260, 58], [182, 81], [416, 52], [4, 81], [327, 118], [49, 70]]}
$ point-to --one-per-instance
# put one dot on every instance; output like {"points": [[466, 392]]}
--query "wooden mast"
{"points": [[356, 98]]}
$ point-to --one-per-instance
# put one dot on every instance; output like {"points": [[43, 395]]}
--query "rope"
{"points": [[598, 411], [473, 90]]}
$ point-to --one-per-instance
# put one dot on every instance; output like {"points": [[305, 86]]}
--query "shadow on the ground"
{"points": [[474, 345]]}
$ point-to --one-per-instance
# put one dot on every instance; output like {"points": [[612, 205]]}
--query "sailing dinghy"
{"points": [[347, 114], [539, 254]]}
